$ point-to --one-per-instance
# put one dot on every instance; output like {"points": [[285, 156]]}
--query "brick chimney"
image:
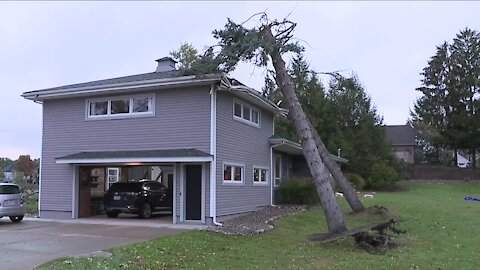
{"points": [[165, 64]]}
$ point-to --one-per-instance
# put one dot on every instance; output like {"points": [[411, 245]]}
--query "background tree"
{"points": [[342, 114], [25, 165], [360, 133], [190, 62], [4, 162], [450, 89], [465, 58], [186, 56]]}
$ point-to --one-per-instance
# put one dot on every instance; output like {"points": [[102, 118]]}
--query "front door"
{"points": [[193, 192], [84, 176]]}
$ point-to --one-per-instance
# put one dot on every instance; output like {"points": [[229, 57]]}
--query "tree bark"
{"points": [[333, 213], [337, 174], [474, 158]]}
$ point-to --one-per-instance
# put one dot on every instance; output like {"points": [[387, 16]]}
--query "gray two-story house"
{"points": [[209, 139], [206, 138]]}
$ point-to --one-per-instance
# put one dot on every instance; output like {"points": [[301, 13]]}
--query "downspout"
{"points": [[272, 178], [213, 152]]}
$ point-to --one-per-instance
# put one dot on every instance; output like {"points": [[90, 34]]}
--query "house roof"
{"points": [[124, 79], [294, 148], [162, 155], [400, 135], [151, 81], [9, 168]]}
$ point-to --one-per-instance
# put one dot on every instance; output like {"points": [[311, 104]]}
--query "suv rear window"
{"points": [[8, 189], [126, 187]]}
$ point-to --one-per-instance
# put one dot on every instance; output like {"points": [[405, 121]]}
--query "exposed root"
{"points": [[372, 238]]}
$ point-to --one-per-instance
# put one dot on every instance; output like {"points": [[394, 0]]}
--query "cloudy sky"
{"points": [[47, 44]]}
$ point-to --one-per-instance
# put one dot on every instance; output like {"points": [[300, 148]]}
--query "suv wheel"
{"points": [[112, 214], [145, 211], [16, 219]]}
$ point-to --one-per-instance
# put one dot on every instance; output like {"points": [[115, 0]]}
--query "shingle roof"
{"points": [[144, 81], [400, 135], [137, 154], [125, 79], [9, 168]]}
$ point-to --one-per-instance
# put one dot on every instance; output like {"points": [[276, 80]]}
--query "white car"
{"points": [[11, 202]]}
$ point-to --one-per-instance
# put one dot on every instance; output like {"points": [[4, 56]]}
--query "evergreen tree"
{"points": [[450, 102], [360, 133]]}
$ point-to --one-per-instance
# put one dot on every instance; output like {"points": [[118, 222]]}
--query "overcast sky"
{"points": [[56, 43]]}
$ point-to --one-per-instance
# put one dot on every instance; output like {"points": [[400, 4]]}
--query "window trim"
{"points": [[260, 183], [279, 176], [130, 114], [240, 118], [117, 175], [232, 182]]}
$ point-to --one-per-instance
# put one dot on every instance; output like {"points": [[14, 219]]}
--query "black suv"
{"points": [[140, 198]]}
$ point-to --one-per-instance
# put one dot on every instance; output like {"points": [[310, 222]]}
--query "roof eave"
{"points": [[226, 86], [283, 141], [39, 95]]}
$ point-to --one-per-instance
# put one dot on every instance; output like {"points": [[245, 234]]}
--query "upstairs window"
{"points": [[246, 113], [118, 107]]}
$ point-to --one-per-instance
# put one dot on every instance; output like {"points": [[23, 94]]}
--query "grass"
{"points": [[31, 204], [442, 233]]}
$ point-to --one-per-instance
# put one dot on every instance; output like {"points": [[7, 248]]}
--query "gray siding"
{"points": [[238, 142], [182, 120]]}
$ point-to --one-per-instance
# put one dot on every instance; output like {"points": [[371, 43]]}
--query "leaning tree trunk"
{"points": [[333, 214], [337, 174]]}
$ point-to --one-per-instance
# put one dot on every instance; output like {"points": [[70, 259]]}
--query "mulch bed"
{"points": [[256, 222]]}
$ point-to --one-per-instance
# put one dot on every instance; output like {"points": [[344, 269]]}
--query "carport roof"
{"points": [[164, 155]]}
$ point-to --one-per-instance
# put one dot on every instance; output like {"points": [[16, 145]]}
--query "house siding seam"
{"points": [[238, 142], [182, 120]]}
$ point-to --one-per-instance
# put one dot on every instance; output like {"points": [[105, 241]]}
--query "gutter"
{"points": [[42, 94], [225, 85]]}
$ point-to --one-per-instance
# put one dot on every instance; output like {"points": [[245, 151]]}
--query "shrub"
{"points": [[357, 181], [382, 177], [297, 191]]}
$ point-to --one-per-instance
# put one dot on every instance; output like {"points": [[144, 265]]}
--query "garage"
{"points": [[172, 183], [128, 189]]}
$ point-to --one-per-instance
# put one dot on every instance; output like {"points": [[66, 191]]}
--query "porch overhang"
{"points": [[135, 157], [293, 148]]}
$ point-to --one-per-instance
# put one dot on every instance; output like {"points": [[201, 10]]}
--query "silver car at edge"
{"points": [[11, 202]]}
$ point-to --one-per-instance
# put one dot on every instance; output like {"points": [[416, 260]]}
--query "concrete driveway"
{"points": [[27, 244]]}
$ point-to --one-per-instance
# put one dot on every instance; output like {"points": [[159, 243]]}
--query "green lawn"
{"points": [[443, 232]]}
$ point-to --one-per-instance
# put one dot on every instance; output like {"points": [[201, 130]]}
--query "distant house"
{"points": [[9, 173], [462, 161], [402, 142]]}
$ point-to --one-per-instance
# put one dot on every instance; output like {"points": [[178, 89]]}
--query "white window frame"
{"points": [[243, 120], [130, 114], [232, 173], [108, 176], [279, 176], [260, 183]]}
